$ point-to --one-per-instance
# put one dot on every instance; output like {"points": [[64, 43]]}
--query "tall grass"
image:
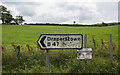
{"points": [[61, 61]]}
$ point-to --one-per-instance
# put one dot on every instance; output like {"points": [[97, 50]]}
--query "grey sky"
{"points": [[65, 11]]}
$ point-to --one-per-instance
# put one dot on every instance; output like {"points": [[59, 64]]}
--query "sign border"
{"points": [[60, 48]]}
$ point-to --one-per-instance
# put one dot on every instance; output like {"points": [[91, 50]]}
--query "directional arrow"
{"points": [[42, 41]]}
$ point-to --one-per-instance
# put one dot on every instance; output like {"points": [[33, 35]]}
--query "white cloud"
{"points": [[66, 12], [52, 11], [60, 0]]}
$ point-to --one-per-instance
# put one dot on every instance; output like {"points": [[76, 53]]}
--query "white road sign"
{"points": [[85, 53], [61, 41]]}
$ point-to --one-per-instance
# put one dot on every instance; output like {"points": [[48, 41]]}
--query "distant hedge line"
{"points": [[94, 25]]}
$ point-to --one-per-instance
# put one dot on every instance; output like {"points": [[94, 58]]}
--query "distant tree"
{"points": [[5, 16], [19, 19], [104, 24], [25, 23], [74, 22]]}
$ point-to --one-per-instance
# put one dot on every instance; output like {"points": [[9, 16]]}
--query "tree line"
{"points": [[7, 18]]}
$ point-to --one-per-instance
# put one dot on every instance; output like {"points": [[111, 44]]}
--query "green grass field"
{"points": [[61, 61]]}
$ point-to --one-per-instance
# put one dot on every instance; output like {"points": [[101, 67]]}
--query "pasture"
{"points": [[33, 60]]}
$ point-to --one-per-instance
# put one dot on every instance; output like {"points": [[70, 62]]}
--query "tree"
{"points": [[5, 16], [74, 22], [8, 18], [19, 19], [104, 24]]}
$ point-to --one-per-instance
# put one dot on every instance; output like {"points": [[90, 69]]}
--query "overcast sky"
{"points": [[64, 11]]}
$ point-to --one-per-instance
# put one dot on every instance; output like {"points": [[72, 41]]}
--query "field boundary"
{"points": [[73, 25]]}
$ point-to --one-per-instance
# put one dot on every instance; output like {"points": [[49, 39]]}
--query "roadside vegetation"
{"points": [[31, 59]]}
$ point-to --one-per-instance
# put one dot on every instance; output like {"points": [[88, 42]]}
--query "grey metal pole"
{"points": [[85, 41], [47, 60], [0, 59], [110, 47], [85, 44]]}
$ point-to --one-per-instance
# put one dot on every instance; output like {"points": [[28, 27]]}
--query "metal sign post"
{"points": [[47, 60], [85, 44], [59, 41], [85, 41], [85, 53], [110, 47]]}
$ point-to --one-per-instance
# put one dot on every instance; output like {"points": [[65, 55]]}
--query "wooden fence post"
{"points": [[18, 50]]}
